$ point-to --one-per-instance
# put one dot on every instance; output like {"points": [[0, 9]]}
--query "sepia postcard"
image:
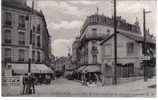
{"points": [[78, 48]]}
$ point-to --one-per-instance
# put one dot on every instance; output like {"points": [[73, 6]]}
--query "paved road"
{"points": [[64, 87]]}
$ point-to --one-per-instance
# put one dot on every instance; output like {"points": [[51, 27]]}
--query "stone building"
{"points": [[75, 53], [20, 24], [95, 29]]}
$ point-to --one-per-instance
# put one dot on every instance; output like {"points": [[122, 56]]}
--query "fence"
{"points": [[11, 85]]}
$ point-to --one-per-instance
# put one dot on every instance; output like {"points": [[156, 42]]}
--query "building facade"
{"points": [[20, 25], [75, 52], [129, 53], [95, 29]]}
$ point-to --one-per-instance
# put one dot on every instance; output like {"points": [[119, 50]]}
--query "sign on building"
{"points": [[144, 58]]}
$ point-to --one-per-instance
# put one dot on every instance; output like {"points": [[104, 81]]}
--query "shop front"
{"points": [[42, 73]]}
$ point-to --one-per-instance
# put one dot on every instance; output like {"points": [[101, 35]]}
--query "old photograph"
{"points": [[78, 48]]}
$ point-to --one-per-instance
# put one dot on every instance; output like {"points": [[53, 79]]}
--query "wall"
{"points": [[122, 55], [15, 36]]}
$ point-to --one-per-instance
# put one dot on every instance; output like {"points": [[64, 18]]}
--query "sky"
{"points": [[65, 17]]}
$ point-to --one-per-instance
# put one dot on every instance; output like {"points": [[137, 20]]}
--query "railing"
{"points": [[12, 85], [11, 81]]}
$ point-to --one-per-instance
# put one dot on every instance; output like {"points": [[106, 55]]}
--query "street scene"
{"points": [[78, 48]]}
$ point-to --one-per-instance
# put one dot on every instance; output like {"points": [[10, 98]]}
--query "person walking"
{"points": [[27, 84], [24, 84], [33, 83]]}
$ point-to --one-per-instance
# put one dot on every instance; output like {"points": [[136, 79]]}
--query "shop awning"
{"points": [[81, 68], [92, 68], [35, 68], [42, 68]]}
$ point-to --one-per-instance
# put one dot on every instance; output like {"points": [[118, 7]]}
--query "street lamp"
{"points": [[145, 48]]}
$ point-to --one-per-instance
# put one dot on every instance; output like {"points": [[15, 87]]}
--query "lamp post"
{"points": [[145, 47]]}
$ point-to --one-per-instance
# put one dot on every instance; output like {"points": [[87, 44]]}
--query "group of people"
{"points": [[93, 78], [29, 84]]}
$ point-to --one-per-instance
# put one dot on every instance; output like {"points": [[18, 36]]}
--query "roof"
{"points": [[20, 7], [130, 36]]}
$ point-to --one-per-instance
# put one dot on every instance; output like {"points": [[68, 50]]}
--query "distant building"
{"points": [[75, 53], [17, 21]]}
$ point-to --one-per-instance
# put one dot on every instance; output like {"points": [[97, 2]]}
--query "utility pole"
{"points": [[115, 45], [30, 44], [145, 47]]}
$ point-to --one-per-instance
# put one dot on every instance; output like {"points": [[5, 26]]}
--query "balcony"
{"points": [[21, 27]]}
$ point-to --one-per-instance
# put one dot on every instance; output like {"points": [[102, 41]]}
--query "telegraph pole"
{"points": [[30, 43], [145, 47], [144, 30], [115, 45]]}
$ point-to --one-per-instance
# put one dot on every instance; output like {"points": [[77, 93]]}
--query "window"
{"points": [[21, 21], [94, 50], [94, 59], [33, 56], [33, 40], [108, 31], [108, 50], [7, 19], [21, 54], [38, 56], [34, 28], [7, 36], [38, 28], [131, 68], [94, 32], [7, 54], [21, 38], [130, 48], [38, 41]]}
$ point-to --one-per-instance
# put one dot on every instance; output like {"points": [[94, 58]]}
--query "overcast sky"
{"points": [[65, 17]]}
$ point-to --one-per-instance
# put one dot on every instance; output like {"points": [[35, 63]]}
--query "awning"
{"points": [[92, 68], [35, 68], [42, 68], [81, 68]]}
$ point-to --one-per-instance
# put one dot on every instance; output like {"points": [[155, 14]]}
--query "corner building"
{"points": [[17, 22], [94, 30]]}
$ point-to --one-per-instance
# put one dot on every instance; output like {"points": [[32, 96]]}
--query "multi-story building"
{"points": [[75, 53], [94, 30], [20, 24]]}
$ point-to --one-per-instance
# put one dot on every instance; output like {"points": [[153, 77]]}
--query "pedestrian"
{"points": [[24, 84], [84, 78], [27, 84], [33, 83]]}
